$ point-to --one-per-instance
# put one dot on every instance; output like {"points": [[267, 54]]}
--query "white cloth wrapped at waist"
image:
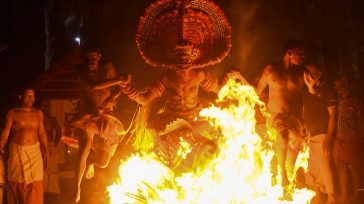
{"points": [[25, 163]]}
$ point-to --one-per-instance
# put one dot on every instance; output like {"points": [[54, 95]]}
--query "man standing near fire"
{"points": [[285, 84], [25, 163], [320, 113]]}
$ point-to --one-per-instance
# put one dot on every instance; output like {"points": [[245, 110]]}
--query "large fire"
{"points": [[239, 173]]}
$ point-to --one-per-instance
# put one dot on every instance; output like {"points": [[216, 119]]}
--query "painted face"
{"points": [[185, 55], [93, 60], [296, 56], [28, 98]]}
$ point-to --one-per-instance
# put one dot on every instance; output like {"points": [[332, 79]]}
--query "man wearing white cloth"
{"points": [[25, 162]]}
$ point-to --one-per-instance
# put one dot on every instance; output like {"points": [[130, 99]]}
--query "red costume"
{"points": [[181, 36]]}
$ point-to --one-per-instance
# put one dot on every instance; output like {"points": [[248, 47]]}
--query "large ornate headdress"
{"points": [[193, 33]]}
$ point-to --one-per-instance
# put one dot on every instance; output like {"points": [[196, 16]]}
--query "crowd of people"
{"points": [[301, 102]]}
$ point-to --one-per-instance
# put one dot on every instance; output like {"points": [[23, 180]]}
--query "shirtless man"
{"points": [[98, 135], [181, 89], [97, 130], [25, 163], [173, 98], [285, 84], [98, 77]]}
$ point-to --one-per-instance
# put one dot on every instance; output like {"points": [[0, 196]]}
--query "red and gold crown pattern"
{"points": [[191, 33]]}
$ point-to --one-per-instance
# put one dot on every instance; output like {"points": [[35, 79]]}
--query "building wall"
{"points": [[63, 110]]}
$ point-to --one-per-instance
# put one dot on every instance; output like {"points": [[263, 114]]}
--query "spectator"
{"points": [[25, 163], [284, 81], [320, 115], [350, 132]]}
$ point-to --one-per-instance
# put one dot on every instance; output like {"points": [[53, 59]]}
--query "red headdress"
{"points": [[193, 33]]}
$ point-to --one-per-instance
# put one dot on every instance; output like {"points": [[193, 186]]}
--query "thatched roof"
{"points": [[61, 80]]}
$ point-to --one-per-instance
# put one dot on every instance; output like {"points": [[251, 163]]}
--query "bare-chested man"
{"points": [[98, 77], [97, 130], [173, 98], [180, 87], [285, 84], [25, 163]]}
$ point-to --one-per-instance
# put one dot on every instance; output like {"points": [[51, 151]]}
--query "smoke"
{"points": [[250, 39], [259, 30], [246, 35]]}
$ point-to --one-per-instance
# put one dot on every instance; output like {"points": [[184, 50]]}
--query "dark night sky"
{"points": [[333, 31]]}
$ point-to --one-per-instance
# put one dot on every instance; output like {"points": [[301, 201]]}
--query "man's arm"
{"points": [[209, 83], [331, 129], [57, 128], [145, 96], [107, 83], [263, 80], [6, 131], [43, 136], [84, 151], [110, 78]]}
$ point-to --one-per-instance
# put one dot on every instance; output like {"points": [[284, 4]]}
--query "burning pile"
{"points": [[239, 173]]}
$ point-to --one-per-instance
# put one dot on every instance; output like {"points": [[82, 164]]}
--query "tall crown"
{"points": [[194, 33]]}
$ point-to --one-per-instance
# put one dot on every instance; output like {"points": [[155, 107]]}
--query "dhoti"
{"points": [[320, 172], [25, 174]]}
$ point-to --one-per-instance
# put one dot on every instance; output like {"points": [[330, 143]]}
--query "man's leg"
{"points": [[328, 178], [356, 176], [85, 143], [102, 158], [34, 193], [16, 193], [291, 156], [342, 174], [290, 163], [281, 152]]}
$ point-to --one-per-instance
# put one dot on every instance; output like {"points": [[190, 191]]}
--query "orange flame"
{"points": [[240, 172]]}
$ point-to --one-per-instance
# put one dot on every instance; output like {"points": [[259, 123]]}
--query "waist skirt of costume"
{"points": [[106, 136], [293, 125]]}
